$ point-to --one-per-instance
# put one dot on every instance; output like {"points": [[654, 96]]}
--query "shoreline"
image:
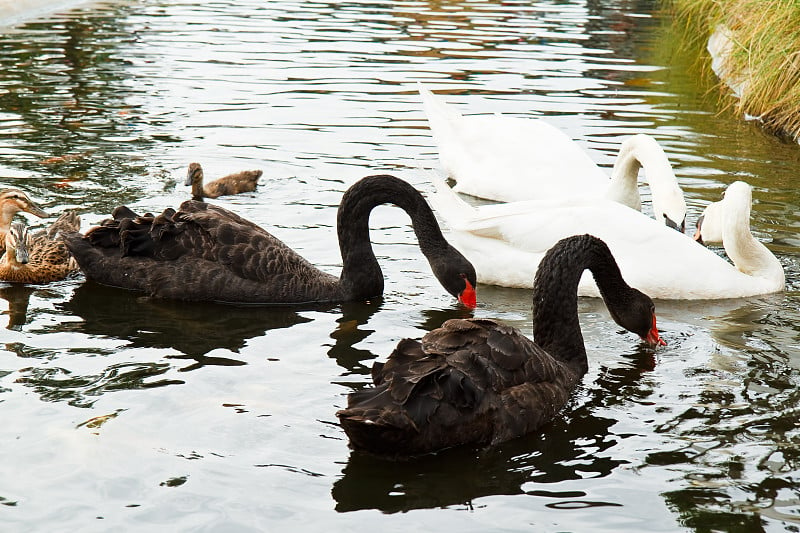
{"points": [[753, 49], [14, 12]]}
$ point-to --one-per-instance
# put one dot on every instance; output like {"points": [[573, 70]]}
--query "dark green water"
{"points": [[121, 413]]}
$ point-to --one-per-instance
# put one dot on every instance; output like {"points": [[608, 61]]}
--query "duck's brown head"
{"points": [[18, 242], [194, 174], [12, 201]]}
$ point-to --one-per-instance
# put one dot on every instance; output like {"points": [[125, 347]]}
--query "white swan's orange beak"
{"points": [[652, 337], [468, 296]]}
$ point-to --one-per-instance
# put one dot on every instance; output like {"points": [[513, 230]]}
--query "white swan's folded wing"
{"points": [[507, 158]]}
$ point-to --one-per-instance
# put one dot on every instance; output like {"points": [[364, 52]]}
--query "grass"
{"points": [[765, 55]]}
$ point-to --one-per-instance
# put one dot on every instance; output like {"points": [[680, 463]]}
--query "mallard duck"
{"points": [[204, 252], [39, 258], [244, 181], [12, 201], [479, 382]]}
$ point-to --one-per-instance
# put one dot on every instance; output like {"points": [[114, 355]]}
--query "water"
{"points": [[122, 413]]}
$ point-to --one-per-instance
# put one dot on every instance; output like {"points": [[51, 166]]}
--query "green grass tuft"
{"points": [[765, 54]]}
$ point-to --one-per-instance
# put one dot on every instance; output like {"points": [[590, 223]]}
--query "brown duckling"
{"points": [[39, 258], [12, 201], [244, 181]]}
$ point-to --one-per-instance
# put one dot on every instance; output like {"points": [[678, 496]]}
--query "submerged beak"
{"points": [[674, 225], [652, 337], [698, 236], [468, 296]]}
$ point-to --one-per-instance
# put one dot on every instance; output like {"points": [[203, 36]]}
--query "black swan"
{"points": [[204, 252], [41, 257], [12, 201], [244, 181], [475, 381]]}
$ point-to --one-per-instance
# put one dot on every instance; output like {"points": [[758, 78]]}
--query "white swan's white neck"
{"points": [[642, 151], [748, 254]]}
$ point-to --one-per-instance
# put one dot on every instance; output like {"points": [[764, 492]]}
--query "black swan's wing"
{"points": [[200, 252], [470, 381]]}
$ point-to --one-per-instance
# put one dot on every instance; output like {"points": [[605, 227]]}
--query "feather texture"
{"points": [[205, 252], [477, 381]]}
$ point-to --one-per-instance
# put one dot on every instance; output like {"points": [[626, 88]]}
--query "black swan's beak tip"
{"points": [[468, 296]]}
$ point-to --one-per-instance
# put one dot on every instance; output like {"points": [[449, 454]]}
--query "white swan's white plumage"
{"points": [[730, 219], [507, 158], [505, 243]]}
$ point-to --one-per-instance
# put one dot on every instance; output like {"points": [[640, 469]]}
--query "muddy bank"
{"points": [[753, 48]]}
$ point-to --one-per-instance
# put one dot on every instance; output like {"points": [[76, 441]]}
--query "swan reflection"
{"points": [[193, 329], [566, 449]]}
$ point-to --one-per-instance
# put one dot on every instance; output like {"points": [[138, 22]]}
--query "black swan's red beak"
{"points": [[652, 337], [468, 296]]}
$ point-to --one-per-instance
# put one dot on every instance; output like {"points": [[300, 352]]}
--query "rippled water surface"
{"points": [[123, 413]]}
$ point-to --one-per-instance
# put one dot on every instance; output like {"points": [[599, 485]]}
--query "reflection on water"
{"points": [[65, 92], [18, 297], [107, 104], [570, 448], [59, 384], [355, 314], [348, 334]]}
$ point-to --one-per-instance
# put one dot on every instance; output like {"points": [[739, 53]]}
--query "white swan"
{"points": [[505, 243], [728, 222], [506, 158]]}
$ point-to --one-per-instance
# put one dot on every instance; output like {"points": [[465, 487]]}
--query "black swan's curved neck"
{"points": [[556, 327], [361, 275]]}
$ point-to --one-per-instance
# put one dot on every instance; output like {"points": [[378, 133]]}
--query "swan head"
{"points": [[12, 201], [643, 152], [18, 244], [675, 225], [737, 197], [709, 225], [194, 174], [670, 206], [638, 315], [457, 276]]}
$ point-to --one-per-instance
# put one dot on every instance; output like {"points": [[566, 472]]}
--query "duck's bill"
{"points": [[35, 210]]}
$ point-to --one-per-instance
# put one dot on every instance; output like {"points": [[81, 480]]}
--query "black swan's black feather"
{"points": [[205, 252], [480, 382]]}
